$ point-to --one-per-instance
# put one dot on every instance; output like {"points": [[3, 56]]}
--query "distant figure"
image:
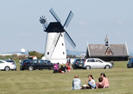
{"points": [[20, 60], [56, 68], [68, 66], [34, 58], [9, 58], [76, 83], [104, 83], [62, 69]]}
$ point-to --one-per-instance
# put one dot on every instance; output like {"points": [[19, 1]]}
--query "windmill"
{"points": [[55, 49]]}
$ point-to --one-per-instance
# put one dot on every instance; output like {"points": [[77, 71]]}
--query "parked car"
{"points": [[30, 64], [130, 63], [78, 63], [91, 63], [7, 65]]}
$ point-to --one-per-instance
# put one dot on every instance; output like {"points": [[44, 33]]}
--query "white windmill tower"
{"points": [[55, 49]]}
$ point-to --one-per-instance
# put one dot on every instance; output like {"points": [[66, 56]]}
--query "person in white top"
{"points": [[91, 82], [76, 83]]}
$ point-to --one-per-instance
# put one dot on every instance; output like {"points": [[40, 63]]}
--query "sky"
{"points": [[93, 19]]}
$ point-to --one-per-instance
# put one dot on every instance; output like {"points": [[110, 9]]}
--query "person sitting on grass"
{"points": [[62, 69], [104, 83], [56, 68], [90, 84], [76, 83], [105, 80], [100, 83]]}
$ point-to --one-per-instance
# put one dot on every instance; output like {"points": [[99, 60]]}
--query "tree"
{"points": [[35, 53]]}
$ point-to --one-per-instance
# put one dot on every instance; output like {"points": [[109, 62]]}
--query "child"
{"points": [[76, 83], [100, 83], [62, 69]]}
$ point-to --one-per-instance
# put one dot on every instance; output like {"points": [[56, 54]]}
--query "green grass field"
{"points": [[45, 82]]}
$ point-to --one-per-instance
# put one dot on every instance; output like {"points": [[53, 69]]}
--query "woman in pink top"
{"points": [[103, 83]]}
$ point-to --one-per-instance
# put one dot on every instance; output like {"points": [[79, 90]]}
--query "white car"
{"points": [[96, 63], [7, 65]]}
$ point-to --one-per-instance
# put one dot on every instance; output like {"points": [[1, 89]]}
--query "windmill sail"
{"points": [[69, 39], [70, 15], [54, 15], [43, 22]]}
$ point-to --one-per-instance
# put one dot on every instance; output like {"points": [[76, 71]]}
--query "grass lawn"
{"points": [[45, 82]]}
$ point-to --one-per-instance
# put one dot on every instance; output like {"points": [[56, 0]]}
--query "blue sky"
{"points": [[93, 19]]}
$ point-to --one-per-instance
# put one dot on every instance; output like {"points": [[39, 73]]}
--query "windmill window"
{"points": [[63, 53], [61, 35], [47, 53], [62, 44]]}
